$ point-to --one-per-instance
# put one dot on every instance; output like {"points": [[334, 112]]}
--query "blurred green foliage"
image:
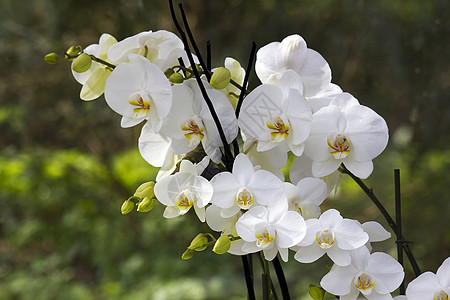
{"points": [[66, 165]]}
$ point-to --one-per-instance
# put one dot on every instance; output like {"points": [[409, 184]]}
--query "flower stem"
{"points": [[247, 75], [281, 278], [248, 276], [400, 239], [398, 220]]}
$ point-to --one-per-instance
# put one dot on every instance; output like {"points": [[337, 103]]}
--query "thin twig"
{"points": [[281, 279], [247, 75]]}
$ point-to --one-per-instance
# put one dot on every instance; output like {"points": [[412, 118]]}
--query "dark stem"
{"points": [[247, 75], [248, 276], [208, 55], [371, 195], [101, 61], [281, 278], [398, 220], [228, 155], [194, 45], [265, 268]]}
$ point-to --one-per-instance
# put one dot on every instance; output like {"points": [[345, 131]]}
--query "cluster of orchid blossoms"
{"points": [[296, 109]]}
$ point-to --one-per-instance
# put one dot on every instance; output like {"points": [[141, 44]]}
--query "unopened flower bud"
{"points": [[146, 205], [73, 52], [169, 72], [199, 243], [316, 292], [51, 58], [220, 78], [189, 253], [127, 207], [222, 244], [82, 63], [145, 190], [176, 78]]}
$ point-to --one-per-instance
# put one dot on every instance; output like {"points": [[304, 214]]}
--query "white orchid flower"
{"points": [[306, 196], [245, 187], [333, 235], [184, 190], [139, 91], [376, 233], [274, 59], [353, 135], [190, 122], [374, 275], [431, 286], [163, 48], [270, 229], [277, 116], [94, 79]]}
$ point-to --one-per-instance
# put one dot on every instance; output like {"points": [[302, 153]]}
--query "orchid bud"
{"points": [[145, 190], [146, 205], [220, 78], [222, 244], [169, 72], [316, 292], [199, 243], [127, 207], [72, 52], [51, 58], [176, 78], [189, 253], [82, 63]]}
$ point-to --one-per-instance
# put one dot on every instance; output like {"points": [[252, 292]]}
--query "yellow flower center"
{"points": [[441, 295], [364, 283], [244, 198], [184, 201], [193, 130], [279, 129], [141, 106], [325, 238], [263, 238], [339, 145]]}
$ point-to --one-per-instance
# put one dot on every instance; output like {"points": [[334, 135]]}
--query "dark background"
{"points": [[66, 165]]}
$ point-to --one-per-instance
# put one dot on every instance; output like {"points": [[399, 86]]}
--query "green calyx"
{"points": [[127, 207], [222, 244], [145, 190], [146, 205], [51, 58]]}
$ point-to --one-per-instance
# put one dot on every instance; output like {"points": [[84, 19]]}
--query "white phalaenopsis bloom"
{"points": [[245, 187], [306, 196], [431, 286], [375, 275], [139, 91], [274, 59], [190, 121], [184, 190], [352, 135], [94, 79], [270, 229], [277, 116], [333, 235], [163, 48]]}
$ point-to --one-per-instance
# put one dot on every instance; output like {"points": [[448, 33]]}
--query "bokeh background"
{"points": [[66, 165]]}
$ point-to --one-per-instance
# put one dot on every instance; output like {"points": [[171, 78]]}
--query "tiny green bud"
{"points": [[146, 205], [316, 292], [199, 243], [72, 52], [127, 207], [220, 78], [189, 253], [82, 63], [199, 68], [51, 58], [145, 190], [176, 78], [169, 72], [222, 244]]}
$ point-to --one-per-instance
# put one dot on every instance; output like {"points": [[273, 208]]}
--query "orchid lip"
{"points": [[193, 130], [364, 283], [141, 105], [339, 145], [184, 201], [441, 295], [263, 238], [325, 238], [244, 198], [279, 128]]}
